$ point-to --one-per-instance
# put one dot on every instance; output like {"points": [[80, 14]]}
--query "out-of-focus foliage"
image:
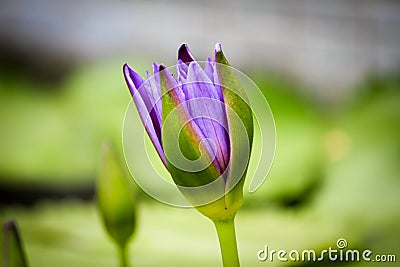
{"points": [[335, 173], [13, 254], [51, 134], [299, 157]]}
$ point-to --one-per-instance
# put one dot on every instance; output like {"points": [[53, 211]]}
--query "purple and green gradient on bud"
{"points": [[197, 121], [201, 125]]}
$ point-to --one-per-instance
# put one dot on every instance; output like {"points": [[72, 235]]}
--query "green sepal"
{"points": [[239, 115]]}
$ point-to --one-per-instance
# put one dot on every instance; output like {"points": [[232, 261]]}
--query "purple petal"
{"points": [[210, 70], [184, 54], [213, 122], [179, 98], [154, 103], [181, 70], [142, 94], [155, 71], [133, 79]]}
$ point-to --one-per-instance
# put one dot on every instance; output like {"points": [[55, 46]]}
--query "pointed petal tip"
{"points": [[126, 71], [126, 68], [219, 55], [184, 54], [155, 67], [133, 79], [218, 47], [183, 46]]}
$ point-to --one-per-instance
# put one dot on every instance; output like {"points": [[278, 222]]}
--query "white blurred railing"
{"points": [[324, 44]]}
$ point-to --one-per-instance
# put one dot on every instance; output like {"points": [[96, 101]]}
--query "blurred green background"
{"points": [[336, 172]]}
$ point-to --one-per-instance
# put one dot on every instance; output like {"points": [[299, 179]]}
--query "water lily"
{"points": [[201, 126]]}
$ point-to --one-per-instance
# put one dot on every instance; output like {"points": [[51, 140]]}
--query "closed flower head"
{"points": [[201, 125]]}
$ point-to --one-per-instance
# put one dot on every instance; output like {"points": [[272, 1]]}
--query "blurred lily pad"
{"points": [[53, 136]]}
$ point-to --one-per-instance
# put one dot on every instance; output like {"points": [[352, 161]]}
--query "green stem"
{"points": [[227, 242], [123, 262]]}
